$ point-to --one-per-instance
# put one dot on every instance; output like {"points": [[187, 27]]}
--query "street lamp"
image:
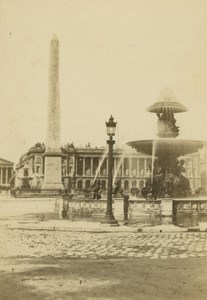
{"points": [[111, 128]]}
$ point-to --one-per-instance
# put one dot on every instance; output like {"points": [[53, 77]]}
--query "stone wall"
{"points": [[21, 206], [97, 208]]}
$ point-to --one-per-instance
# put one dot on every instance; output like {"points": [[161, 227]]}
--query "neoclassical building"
{"points": [[81, 166], [6, 173], [89, 164]]}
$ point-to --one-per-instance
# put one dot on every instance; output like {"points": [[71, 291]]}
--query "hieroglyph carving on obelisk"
{"points": [[53, 168]]}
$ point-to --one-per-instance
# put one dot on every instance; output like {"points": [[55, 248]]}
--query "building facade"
{"points": [[6, 173], [81, 166]]}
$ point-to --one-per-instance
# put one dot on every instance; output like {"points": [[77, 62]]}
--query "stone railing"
{"points": [[144, 207], [97, 208], [189, 206], [33, 193], [84, 207]]}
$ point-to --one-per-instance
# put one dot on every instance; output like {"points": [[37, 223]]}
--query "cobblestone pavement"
{"points": [[36, 243]]}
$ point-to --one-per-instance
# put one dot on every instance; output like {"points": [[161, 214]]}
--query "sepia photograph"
{"points": [[103, 157]]}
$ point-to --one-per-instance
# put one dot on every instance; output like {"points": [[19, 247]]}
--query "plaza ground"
{"points": [[55, 263], [57, 278]]}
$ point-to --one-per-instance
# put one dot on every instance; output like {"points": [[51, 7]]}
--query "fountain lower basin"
{"points": [[177, 147]]}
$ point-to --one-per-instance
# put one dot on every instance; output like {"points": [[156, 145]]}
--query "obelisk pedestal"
{"points": [[52, 164]]}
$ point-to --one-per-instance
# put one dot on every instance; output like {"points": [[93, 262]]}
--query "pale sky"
{"points": [[115, 58]]}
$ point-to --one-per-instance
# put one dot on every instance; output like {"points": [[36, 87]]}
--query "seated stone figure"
{"points": [[170, 182], [166, 125], [181, 183]]}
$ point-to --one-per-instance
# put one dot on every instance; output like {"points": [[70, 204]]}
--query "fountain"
{"points": [[25, 178], [167, 178]]}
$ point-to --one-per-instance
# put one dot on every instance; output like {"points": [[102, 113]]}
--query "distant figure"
{"points": [[65, 209], [64, 193], [126, 206], [99, 195], [117, 191], [200, 191], [96, 191], [135, 192]]}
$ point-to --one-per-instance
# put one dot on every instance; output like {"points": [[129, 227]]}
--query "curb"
{"points": [[107, 230]]}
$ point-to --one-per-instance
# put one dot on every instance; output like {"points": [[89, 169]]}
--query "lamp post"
{"points": [[111, 128]]}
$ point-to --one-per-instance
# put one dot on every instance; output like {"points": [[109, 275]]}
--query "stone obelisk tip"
{"points": [[54, 37]]}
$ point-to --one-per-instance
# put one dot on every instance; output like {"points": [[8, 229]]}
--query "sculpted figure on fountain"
{"points": [[170, 182], [166, 125]]}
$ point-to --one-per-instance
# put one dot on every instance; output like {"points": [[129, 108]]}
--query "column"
{"points": [[199, 172], [91, 166], [145, 167], [99, 166], [122, 168], [43, 165], [114, 165], [84, 167], [0, 175], [137, 167], [68, 166], [130, 167], [193, 173], [6, 175], [76, 167], [106, 166]]}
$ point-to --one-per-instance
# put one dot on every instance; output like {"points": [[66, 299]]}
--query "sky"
{"points": [[115, 58]]}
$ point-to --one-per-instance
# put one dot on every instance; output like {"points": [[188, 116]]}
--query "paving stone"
{"points": [[87, 245], [139, 255], [201, 254], [184, 255]]}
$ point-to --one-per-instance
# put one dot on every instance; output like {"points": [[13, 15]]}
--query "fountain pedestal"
{"points": [[167, 207]]}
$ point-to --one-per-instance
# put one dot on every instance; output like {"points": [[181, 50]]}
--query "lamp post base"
{"points": [[110, 220]]}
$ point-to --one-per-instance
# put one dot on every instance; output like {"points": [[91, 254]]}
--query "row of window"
{"points": [[88, 183]]}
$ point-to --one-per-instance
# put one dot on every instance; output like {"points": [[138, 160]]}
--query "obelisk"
{"points": [[52, 163]]}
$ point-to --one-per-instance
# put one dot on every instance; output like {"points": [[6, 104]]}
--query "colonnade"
{"points": [[91, 165], [135, 167], [5, 175]]}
